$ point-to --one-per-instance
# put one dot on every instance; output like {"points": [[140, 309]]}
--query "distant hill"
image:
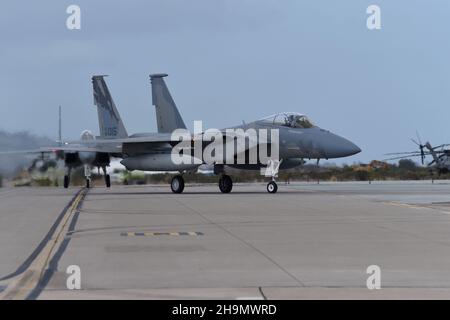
{"points": [[11, 164]]}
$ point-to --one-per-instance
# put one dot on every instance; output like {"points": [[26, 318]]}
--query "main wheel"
{"points": [[177, 184], [272, 187], [88, 183], [225, 184], [108, 181], [66, 181]]}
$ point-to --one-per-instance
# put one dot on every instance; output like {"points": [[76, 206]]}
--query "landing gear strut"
{"points": [[225, 184], [107, 177], [67, 178], [66, 181], [177, 184], [87, 174], [272, 171]]}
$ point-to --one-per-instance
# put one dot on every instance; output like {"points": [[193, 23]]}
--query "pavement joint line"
{"points": [[260, 289], [23, 284]]}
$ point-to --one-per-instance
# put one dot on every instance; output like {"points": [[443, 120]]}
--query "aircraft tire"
{"points": [[225, 184], [66, 181], [88, 183], [272, 187], [177, 184], [108, 181]]}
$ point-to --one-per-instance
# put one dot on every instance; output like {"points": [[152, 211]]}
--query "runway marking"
{"points": [[151, 234], [23, 285], [417, 207], [406, 205]]}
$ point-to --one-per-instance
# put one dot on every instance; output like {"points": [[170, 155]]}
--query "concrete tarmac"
{"points": [[308, 241]]}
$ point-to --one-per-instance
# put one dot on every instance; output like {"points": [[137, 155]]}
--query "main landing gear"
{"points": [[225, 184], [67, 178], [177, 184], [107, 177], [66, 181]]}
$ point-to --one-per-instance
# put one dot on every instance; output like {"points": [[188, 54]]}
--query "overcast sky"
{"points": [[230, 61]]}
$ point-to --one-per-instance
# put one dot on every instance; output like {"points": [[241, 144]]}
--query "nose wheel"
{"points": [[87, 175], [225, 184], [272, 187], [177, 184]]}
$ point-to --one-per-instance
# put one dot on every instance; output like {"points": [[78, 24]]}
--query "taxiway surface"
{"points": [[306, 241]]}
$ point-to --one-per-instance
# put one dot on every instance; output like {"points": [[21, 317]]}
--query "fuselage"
{"points": [[299, 140]]}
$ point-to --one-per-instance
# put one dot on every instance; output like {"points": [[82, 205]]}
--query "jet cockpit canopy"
{"points": [[290, 119]]}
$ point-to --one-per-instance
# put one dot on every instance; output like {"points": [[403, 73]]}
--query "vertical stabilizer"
{"points": [[167, 116], [109, 121]]}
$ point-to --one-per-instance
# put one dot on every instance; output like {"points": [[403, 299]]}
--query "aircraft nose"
{"points": [[338, 147]]}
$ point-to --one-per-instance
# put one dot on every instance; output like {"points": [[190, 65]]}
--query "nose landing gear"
{"points": [[272, 171], [87, 174], [272, 187]]}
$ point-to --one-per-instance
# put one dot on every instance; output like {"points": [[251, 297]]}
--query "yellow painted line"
{"points": [[22, 285], [153, 234], [417, 207], [405, 205]]}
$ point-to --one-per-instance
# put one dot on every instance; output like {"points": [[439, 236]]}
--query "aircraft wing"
{"points": [[132, 144], [111, 148], [152, 142], [147, 138]]}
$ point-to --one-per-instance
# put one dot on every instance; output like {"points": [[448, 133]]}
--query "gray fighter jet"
{"points": [[299, 139]]}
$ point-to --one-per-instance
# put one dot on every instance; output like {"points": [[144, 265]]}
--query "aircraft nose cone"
{"points": [[351, 149], [339, 147]]}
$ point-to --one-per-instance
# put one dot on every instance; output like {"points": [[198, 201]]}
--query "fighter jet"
{"points": [[79, 153], [299, 139]]}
